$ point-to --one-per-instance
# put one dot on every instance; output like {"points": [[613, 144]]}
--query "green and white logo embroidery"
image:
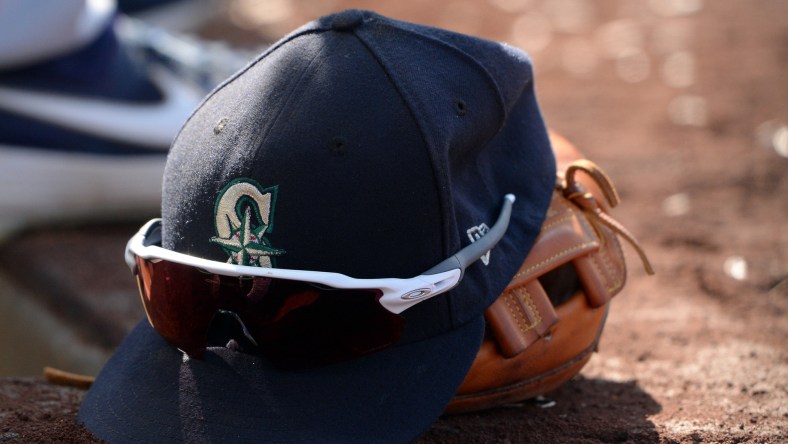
{"points": [[244, 214]]}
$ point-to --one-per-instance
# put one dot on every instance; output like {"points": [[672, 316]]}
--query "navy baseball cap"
{"points": [[360, 145]]}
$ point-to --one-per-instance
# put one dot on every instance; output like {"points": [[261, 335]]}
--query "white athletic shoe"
{"points": [[69, 152]]}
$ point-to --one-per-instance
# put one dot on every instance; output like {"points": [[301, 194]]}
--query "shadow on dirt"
{"points": [[585, 410]]}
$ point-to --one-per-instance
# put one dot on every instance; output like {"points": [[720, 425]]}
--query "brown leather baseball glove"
{"points": [[546, 324]]}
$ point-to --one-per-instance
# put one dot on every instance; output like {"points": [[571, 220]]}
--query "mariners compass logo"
{"points": [[244, 214]]}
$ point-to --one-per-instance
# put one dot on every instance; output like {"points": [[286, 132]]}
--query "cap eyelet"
{"points": [[337, 146], [461, 107]]}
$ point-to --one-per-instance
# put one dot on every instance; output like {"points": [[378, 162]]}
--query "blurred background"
{"points": [[683, 102]]}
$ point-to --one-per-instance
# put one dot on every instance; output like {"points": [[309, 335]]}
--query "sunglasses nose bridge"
{"points": [[235, 316]]}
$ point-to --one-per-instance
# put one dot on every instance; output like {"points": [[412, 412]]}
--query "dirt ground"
{"points": [[685, 104]]}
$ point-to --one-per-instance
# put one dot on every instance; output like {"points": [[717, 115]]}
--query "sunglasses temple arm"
{"points": [[128, 255], [470, 254], [149, 234]]}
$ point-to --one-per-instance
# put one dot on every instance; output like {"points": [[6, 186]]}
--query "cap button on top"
{"points": [[347, 20]]}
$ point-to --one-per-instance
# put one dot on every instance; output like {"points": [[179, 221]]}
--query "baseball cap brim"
{"points": [[151, 392]]}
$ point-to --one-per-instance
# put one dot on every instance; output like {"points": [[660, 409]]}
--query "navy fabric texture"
{"points": [[383, 146], [148, 392]]}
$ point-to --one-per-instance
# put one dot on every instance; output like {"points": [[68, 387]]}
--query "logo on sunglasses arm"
{"points": [[476, 233], [244, 214]]}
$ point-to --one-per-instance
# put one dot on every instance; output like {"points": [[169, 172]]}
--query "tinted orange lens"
{"points": [[299, 325], [296, 324], [179, 302]]}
